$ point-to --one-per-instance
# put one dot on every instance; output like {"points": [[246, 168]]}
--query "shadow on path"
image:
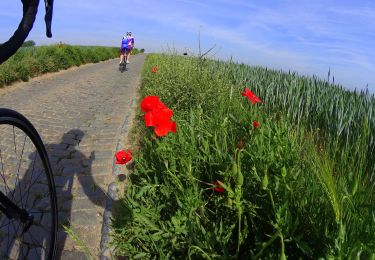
{"points": [[79, 197]]}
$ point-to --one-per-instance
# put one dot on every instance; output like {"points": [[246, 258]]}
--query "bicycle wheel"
{"points": [[122, 65], [28, 206]]}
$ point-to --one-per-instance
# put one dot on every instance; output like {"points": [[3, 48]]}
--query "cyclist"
{"points": [[127, 44]]}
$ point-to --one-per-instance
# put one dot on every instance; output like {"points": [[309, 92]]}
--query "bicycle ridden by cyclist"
{"points": [[127, 45]]}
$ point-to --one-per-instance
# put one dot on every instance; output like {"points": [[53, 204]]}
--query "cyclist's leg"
{"points": [[122, 55], [128, 55], [125, 58]]}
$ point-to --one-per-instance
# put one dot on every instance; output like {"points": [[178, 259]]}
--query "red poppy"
{"points": [[158, 116], [154, 69], [218, 187], [251, 96], [160, 119], [256, 124], [165, 128], [150, 103], [122, 156]]}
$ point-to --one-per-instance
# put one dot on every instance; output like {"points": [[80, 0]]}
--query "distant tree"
{"points": [[142, 50], [28, 43]]}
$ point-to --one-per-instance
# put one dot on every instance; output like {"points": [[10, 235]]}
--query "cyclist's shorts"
{"points": [[127, 50]]}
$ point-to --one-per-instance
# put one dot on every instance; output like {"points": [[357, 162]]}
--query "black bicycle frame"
{"points": [[10, 209]]}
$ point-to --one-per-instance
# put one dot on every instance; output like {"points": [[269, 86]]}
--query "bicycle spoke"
{"points": [[18, 228], [31, 177], [33, 239], [14, 139], [7, 189], [28, 191], [10, 239], [18, 170], [46, 195], [19, 166], [7, 223]]}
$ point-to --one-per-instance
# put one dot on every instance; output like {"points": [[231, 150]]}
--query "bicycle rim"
{"points": [[26, 179]]}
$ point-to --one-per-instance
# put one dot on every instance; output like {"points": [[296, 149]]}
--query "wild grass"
{"points": [[299, 186], [78, 241], [29, 62]]}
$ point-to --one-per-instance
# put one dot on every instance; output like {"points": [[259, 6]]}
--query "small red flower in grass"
{"points": [[251, 96], [150, 103], [165, 128], [122, 156], [218, 187], [158, 116], [161, 120], [256, 124], [154, 69]]}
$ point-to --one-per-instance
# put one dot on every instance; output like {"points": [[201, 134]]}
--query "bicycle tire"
{"points": [[122, 65], [14, 120]]}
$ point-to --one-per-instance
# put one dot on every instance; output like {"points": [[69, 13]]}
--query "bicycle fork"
{"points": [[12, 211]]}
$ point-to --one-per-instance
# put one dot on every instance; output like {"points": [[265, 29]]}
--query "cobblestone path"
{"points": [[79, 114]]}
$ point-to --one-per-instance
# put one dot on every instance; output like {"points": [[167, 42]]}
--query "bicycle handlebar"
{"points": [[30, 8]]}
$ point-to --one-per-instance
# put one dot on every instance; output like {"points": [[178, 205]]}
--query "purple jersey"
{"points": [[127, 42]]}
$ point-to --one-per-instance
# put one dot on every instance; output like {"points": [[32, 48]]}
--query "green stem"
{"points": [[239, 232], [272, 201], [267, 244], [282, 256], [239, 183]]}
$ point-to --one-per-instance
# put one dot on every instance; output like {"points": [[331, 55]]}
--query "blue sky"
{"points": [[304, 36]]}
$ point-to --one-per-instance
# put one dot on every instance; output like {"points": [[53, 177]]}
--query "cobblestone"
{"points": [[79, 114]]}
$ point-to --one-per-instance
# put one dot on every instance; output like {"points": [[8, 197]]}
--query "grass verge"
{"points": [[294, 187], [29, 62]]}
